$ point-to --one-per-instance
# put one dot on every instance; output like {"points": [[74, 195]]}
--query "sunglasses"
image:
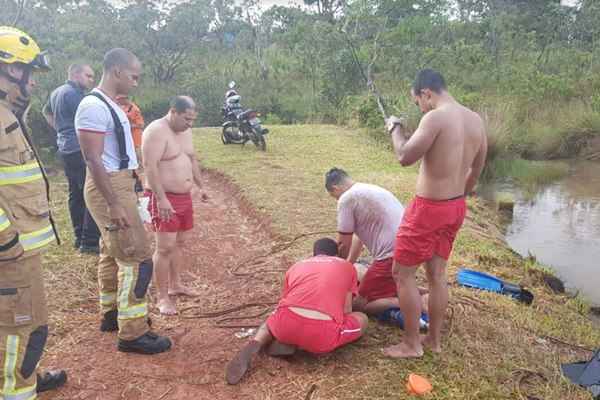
{"points": [[41, 62]]}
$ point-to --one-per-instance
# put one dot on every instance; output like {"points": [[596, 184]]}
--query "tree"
{"points": [[327, 8], [168, 34]]}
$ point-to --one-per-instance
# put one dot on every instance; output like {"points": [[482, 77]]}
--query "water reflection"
{"points": [[560, 225]]}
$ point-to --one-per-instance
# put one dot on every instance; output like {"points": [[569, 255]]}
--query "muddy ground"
{"points": [[227, 232]]}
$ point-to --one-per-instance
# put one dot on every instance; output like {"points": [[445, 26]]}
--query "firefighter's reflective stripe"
{"points": [[125, 311], [20, 174], [28, 393], [36, 239], [11, 353], [4, 221], [126, 278], [108, 298], [137, 311]]}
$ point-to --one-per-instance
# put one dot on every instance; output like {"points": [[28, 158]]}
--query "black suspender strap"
{"points": [[119, 132]]}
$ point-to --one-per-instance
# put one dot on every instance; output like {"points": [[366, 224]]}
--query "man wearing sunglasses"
{"points": [[451, 142]]}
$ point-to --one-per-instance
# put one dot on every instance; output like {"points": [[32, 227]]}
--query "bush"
{"points": [[368, 113], [272, 119]]}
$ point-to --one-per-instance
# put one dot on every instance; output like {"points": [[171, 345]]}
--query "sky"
{"points": [[269, 3]]}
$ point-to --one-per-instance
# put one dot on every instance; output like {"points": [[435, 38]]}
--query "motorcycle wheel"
{"points": [[261, 143], [258, 139], [225, 137]]}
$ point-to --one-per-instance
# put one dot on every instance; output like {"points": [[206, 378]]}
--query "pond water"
{"points": [[559, 224]]}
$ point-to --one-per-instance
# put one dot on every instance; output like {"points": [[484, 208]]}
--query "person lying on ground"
{"points": [[368, 215], [171, 169], [314, 313]]}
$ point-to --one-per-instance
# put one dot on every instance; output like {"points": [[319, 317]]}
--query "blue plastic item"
{"points": [[394, 316], [480, 280]]}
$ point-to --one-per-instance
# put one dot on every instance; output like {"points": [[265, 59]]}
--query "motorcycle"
{"points": [[241, 126]]}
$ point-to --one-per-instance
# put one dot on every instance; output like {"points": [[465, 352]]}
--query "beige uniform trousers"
{"points": [[23, 326], [125, 265]]}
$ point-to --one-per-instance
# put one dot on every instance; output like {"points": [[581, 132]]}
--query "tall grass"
{"points": [[548, 130]]}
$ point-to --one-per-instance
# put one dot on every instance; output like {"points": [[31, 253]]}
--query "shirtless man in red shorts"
{"points": [[451, 142], [171, 171], [314, 313]]}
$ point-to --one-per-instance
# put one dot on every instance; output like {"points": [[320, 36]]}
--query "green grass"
{"points": [[492, 339], [525, 172], [544, 130]]}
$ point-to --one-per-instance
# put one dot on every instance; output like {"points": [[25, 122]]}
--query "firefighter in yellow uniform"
{"points": [[25, 227]]}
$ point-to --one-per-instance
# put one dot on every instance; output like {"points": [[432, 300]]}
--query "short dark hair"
{"points": [[182, 103], [335, 176], [76, 68], [118, 57], [429, 79], [326, 247]]}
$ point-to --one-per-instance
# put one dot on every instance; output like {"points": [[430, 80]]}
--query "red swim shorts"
{"points": [[182, 220], [312, 335], [428, 227], [378, 282]]}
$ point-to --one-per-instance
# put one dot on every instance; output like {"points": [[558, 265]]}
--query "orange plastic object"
{"points": [[418, 385]]}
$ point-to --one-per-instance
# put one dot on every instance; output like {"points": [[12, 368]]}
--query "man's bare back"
{"points": [[176, 150], [446, 165], [452, 144]]}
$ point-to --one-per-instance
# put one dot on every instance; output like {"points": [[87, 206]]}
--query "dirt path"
{"points": [[227, 231]]}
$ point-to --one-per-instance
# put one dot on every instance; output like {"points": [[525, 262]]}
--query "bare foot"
{"points": [[429, 343], [183, 291], [237, 368], [166, 307], [402, 350]]}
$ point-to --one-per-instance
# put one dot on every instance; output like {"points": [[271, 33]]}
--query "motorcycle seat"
{"points": [[244, 115]]}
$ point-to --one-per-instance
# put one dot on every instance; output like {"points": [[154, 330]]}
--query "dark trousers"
{"points": [[86, 231]]}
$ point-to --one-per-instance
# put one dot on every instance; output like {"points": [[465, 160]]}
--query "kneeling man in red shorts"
{"points": [[171, 171], [314, 313]]}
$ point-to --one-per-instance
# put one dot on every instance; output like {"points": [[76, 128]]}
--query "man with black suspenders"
{"points": [[125, 265]]}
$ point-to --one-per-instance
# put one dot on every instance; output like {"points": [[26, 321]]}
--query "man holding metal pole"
{"points": [[452, 145]]}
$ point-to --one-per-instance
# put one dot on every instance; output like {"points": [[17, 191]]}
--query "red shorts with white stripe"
{"points": [[312, 335]]}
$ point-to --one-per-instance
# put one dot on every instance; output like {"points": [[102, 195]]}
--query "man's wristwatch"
{"points": [[392, 125]]}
